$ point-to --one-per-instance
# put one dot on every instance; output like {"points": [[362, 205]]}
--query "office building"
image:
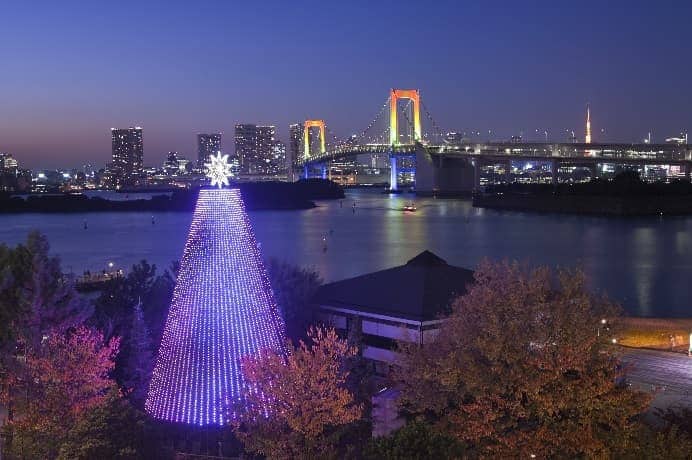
{"points": [[207, 145], [128, 153]]}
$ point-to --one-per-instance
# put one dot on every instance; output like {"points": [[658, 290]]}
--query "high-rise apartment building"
{"points": [[207, 145], [246, 147], [257, 150], [278, 162], [128, 153], [295, 137], [266, 138]]}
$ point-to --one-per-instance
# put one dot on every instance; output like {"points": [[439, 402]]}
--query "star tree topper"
{"points": [[218, 170]]}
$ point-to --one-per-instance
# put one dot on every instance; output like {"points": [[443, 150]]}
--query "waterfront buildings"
{"points": [[207, 145], [246, 146], [176, 165], [8, 163], [128, 154], [295, 137], [400, 303], [258, 151]]}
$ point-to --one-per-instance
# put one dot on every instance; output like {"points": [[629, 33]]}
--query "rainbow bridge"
{"points": [[444, 167]]}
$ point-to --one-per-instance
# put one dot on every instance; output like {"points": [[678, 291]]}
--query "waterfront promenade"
{"points": [[668, 375]]}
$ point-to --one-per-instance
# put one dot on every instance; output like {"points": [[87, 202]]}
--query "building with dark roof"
{"points": [[401, 303]]}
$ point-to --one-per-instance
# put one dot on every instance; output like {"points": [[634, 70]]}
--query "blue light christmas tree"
{"points": [[223, 309]]}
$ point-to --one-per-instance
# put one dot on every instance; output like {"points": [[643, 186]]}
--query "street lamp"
{"points": [[598, 330]]}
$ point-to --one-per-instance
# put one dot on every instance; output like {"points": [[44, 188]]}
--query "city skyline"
{"points": [[497, 67]]}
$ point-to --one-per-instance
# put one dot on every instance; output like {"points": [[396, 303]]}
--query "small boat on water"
{"points": [[409, 208]]}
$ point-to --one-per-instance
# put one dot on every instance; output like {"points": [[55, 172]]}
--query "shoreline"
{"points": [[588, 205], [667, 334], [256, 196]]}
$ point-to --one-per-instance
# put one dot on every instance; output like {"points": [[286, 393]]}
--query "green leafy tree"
{"points": [[415, 441], [649, 444], [139, 362], [519, 369], [114, 430], [293, 288], [35, 296], [116, 313], [113, 307]]}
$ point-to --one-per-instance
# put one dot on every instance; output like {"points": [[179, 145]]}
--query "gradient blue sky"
{"points": [[73, 69]]}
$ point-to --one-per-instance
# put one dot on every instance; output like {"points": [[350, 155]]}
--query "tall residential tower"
{"points": [[207, 145], [128, 153], [259, 152], [587, 138]]}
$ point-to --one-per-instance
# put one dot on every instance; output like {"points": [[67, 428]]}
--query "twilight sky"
{"points": [[70, 70]]}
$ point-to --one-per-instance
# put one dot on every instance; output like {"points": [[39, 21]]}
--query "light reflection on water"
{"points": [[643, 263]]}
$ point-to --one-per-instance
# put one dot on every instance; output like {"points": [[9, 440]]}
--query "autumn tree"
{"points": [[298, 401], [66, 376], [294, 288], [518, 368]]}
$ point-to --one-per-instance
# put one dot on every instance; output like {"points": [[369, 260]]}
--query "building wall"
{"points": [[379, 336]]}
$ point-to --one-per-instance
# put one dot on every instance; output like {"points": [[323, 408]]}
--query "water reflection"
{"points": [[644, 263]]}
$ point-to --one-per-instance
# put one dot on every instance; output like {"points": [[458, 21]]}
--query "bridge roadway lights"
{"points": [[393, 179]]}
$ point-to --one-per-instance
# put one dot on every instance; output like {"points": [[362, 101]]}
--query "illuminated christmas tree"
{"points": [[223, 309]]}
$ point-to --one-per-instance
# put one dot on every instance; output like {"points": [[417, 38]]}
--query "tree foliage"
{"points": [[297, 401], [139, 362], [415, 441], [113, 430], [116, 315], [518, 368], [293, 288], [59, 381], [35, 297]]}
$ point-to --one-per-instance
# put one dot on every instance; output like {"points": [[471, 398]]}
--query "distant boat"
{"points": [[409, 208]]}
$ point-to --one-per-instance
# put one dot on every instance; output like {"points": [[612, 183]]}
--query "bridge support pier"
{"points": [[594, 171], [393, 176], [306, 174], [476, 174], [324, 170], [554, 166]]}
